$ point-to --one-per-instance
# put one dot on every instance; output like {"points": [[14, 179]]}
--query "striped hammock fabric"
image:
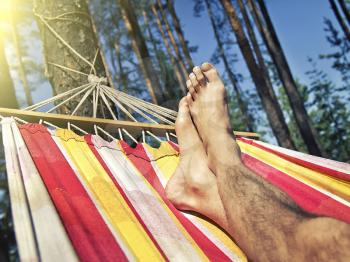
{"points": [[81, 198]]}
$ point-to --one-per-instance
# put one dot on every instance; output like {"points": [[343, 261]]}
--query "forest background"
{"points": [[285, 63]]}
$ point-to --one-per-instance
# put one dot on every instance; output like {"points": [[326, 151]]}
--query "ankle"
{"points": [[223, 153]]}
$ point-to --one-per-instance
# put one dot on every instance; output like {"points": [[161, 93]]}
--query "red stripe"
{"points": [[323, 169], [88, 232], [120, 189], [305, 196], [139, 158]]}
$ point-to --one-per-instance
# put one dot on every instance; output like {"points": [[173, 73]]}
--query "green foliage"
{"points": [[329, 114], [340, 56]]}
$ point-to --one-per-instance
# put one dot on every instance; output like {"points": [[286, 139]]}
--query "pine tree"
{"points": [[179, 72], [274, 112], [142, 52], [266, 28], [245, 114], [339, 57], [339, 18], [329, 114], [180, 34]]}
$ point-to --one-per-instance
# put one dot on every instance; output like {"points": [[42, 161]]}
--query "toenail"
{"points": [[192, 75], [196, 68]]}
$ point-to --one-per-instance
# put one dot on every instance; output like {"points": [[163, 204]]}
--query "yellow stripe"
{"points": [[301, 173], [100, 184], [171, 214], [167, 160], [168, 164]]}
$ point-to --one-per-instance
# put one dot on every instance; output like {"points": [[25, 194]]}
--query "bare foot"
{"points": [[208, 107], [193, 186]]}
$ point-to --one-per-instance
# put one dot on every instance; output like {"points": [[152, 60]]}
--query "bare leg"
{"points": [[193, 186], [264, 221]]}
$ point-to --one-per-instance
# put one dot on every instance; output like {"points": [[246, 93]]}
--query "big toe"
{"points": [[210, 72], [183, 119], [186, 132]]}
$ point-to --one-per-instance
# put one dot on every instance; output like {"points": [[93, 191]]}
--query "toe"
{"points": [[183, 115], [194, 82], [189, 99], [191, 89], [210, 72], [200, 76]]}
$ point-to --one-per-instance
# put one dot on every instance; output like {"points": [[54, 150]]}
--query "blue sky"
{"points": [[299, 25]]}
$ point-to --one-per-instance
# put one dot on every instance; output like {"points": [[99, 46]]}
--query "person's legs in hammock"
{"points": [[263, 220], [193, 186]]}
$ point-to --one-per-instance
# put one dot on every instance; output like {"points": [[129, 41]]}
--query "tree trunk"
{"points": [[122, 74], [258, 54], [340, 19], [171, 37], [274, 114], [8, 95], [178, 29], [178, 72], [78, 32], [141, 51], [345, 10], [154, 44], [21, 69], [296, 101], [248, 121], [101, 53]]}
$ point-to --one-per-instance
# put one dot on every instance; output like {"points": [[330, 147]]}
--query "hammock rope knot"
{"points": [[93, 79]]}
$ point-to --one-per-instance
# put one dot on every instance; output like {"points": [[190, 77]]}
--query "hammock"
{"points": [[84, 198]]}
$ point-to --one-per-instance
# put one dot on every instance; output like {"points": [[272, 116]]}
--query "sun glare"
{"points": [[5, 11]]}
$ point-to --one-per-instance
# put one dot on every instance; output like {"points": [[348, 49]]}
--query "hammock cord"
{"points": [[97, 89]]}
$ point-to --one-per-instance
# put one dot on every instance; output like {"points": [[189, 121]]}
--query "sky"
{"points": [[298, 23]]}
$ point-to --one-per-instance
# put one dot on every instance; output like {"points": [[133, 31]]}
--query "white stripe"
{"points": [[20, 211], [148, 205], [332, 164]]}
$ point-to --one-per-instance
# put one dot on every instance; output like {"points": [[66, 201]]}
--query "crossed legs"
{"points": [[212, 180]]}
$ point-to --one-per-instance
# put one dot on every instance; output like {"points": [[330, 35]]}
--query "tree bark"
{"points": [[178, 72], [340, 19], [345, 10], [21, 69], [141, 51], [77, 31], [179, 32], [296, 101], [8, 95], [274, 114], [171, 37], [248, 121]]}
